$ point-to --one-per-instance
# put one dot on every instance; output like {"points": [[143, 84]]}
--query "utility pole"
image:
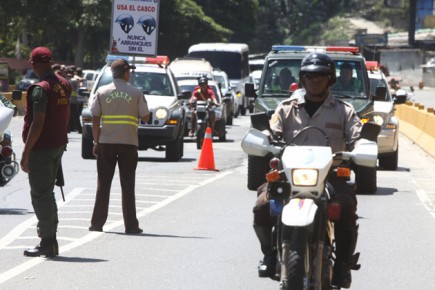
{"points": [[412, 17]]}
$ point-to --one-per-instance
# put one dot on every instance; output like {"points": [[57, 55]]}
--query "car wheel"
{"points": [[242, 111], [174, 151], [223, 136], [87, 146], [236, 113], [389, 162], [230, 119], [365, 179], [258, 166]]}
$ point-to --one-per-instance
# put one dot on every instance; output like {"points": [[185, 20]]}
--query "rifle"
{"points": [[60, 181]]}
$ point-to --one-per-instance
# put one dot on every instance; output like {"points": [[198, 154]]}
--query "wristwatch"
{"points": [[95, 143]]}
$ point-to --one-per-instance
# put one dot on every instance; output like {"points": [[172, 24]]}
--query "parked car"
{"points": [[29, 79], [165, 129], [230, 96], [187, 86], [383, 115], [90, 76]]}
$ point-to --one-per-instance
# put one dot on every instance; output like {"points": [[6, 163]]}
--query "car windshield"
{"points": [[229, 62], [190, 88], [221, 80], [350, 80], [280, 75], [151, 83]]}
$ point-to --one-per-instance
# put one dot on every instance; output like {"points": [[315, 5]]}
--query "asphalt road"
{"points": [[198, 226]]}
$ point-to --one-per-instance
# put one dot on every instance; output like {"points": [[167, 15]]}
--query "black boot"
{"points": [[267, 267], [47, 248], [346, 260]]}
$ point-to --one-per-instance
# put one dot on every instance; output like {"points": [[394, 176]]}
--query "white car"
{"points": [[255, 78], [229, 94], [90, 76], [383, 115], [165, 129]]}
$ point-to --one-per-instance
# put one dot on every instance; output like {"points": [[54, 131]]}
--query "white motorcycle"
{"points": [[8, 166], [301, 197]]}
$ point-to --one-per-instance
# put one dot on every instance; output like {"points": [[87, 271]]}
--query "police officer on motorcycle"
{"points": [[202, 92], [338, 119]]}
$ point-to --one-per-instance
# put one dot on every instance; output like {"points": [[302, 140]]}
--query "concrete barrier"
{"points": [[418, 124]]}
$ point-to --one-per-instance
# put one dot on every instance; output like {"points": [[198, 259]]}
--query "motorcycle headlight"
{"points": [[161, 113], [305, 177]]}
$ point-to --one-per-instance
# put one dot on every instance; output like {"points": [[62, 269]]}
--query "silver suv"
{"points": [[271, 92], [165, 129], [383, 115]]}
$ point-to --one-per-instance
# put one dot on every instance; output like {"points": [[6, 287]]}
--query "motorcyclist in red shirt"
{"points": [[202, 92]]}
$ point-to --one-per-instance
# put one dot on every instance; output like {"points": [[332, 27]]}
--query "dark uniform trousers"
{"points": [[43, 167], [126, 156], [345, 196]]}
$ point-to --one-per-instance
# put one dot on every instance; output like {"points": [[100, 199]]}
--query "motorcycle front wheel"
{"points": [[200, 133], [297, 262]]}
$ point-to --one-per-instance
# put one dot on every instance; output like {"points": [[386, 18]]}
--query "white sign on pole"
{"points": [[134, 27]]}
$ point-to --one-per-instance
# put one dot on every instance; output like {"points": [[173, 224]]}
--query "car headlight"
{"points": [[305, 177], [378, 119], [161, 113]]}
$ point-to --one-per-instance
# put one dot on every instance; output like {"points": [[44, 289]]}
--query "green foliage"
{"points": [[78, 31]]}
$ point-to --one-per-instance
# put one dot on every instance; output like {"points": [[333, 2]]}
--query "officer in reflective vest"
{"points": [[118, 107]]}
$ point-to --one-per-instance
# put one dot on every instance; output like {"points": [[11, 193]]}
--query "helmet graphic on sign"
{"points": [[148, 23], [125, 21]]}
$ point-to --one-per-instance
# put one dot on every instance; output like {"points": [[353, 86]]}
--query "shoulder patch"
{"points": [[274, 119]]}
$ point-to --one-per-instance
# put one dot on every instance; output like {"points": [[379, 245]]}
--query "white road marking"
{"points": [[425, 200], [17, 231]]}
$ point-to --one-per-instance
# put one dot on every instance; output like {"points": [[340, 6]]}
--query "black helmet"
{"points": [[203, 80], [317, 62]]}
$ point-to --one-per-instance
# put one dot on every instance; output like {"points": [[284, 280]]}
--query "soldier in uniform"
{"points": [[45, 137], [338, 119], [118, 106]]}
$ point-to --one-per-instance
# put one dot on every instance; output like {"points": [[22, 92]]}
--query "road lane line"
{"points": [[425, 200], [5, 276], [21, 228]]}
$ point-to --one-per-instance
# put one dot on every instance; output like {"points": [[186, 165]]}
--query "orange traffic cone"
{"points": [[206, 159]]}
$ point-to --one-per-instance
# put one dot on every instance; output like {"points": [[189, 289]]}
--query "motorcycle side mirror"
{"points": [[185, 95], [250, 90], [370, 131]]}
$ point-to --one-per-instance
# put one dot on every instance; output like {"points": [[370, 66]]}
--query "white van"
{"points": [[233, 58], [191, 68]]}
